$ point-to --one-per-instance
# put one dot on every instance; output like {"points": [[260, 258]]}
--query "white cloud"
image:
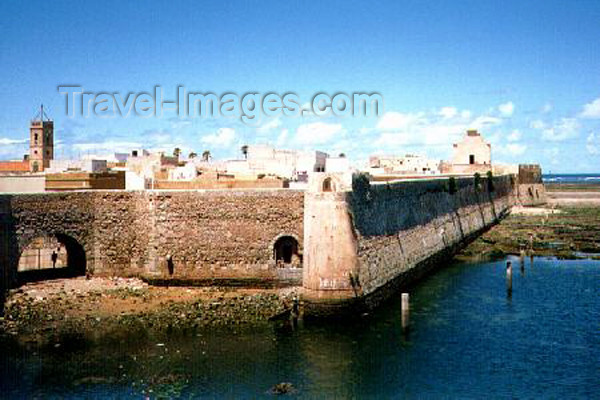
{"points": [[516, 149], [13, 148], [514, 136], [282, 138], [553, 154], [448, 112], [395, 121], [438, 128], [318, 133], [506, 109], [593, 143], [547, 108], [178, 123], [10, 142], [591, 110], [272, 124], [157, 137], [223, 138], [108, 146], [565, 128], [537, 124], [485, 121]]}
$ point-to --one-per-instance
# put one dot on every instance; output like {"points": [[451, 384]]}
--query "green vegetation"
{"points": [[490, 181], [477, 181], [452, 187], [568, 234]]}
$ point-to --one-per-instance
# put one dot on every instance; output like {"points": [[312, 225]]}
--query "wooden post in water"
{"points": [[405, 311], [522, 259], [531, 248], [509, 278]]}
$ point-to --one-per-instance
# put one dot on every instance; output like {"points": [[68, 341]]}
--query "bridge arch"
{"points": [[50, 256]]}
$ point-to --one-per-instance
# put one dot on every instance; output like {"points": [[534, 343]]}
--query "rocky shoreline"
{"points": [[565, 233], [54, 311]]}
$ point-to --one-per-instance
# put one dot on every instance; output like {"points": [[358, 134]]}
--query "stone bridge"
{"points": [[342, 241]]}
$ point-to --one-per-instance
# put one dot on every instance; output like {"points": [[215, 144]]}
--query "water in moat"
{"points": [[468, 339]]}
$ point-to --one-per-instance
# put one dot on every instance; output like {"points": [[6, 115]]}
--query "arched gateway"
{"points": [[50, 257]]}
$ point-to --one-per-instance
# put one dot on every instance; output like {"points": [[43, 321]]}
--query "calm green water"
{"points": [[468, 340]]}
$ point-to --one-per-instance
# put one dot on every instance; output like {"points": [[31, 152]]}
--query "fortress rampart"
{"points": [[377, 237], [343, 242], [200, 235]]}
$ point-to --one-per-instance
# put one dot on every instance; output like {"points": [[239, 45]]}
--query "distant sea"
{"points": [[582, 179]]}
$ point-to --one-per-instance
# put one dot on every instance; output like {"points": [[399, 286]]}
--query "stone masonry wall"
{"points": [[375, 235], [531, 194], [207, 234], [400, 226]]}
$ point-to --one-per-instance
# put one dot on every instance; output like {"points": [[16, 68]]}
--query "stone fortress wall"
{"points": [[354, 239], [380, 236], [531, 190], [202, 234]]}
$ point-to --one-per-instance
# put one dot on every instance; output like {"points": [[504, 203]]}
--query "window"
{"points": [[327, 187], [471, 158]]}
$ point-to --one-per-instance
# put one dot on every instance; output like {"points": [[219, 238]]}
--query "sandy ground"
{"points": [[574, 199], [519, 210]]}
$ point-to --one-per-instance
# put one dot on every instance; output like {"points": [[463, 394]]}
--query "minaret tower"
{"points": [[41, 142]]}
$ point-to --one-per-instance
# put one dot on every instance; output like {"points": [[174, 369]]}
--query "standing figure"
{"points": [[54, 258], [170, 265]]}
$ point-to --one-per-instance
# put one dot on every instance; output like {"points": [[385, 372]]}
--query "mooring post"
{"points": [[405, 311], [530, 241], [522, 258], [531, 248], [508, 278]]}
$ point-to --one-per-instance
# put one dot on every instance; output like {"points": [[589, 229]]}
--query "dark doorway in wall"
{"points": [[327, 186], [286, 250], [51, 257], [471, 158]]}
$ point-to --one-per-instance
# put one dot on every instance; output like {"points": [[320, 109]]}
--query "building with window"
{"points": [[409, 164], [289, 164], [472, 154]]}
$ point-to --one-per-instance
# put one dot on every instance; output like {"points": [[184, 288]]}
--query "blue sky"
{"points": [[527, 74]]}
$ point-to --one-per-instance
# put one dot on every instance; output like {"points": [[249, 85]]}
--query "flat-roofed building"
{"points": [[85, 181], [409, 164]]}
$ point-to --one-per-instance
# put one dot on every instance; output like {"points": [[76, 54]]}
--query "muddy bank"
{"points": [[566, 233], [50, 311]]}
